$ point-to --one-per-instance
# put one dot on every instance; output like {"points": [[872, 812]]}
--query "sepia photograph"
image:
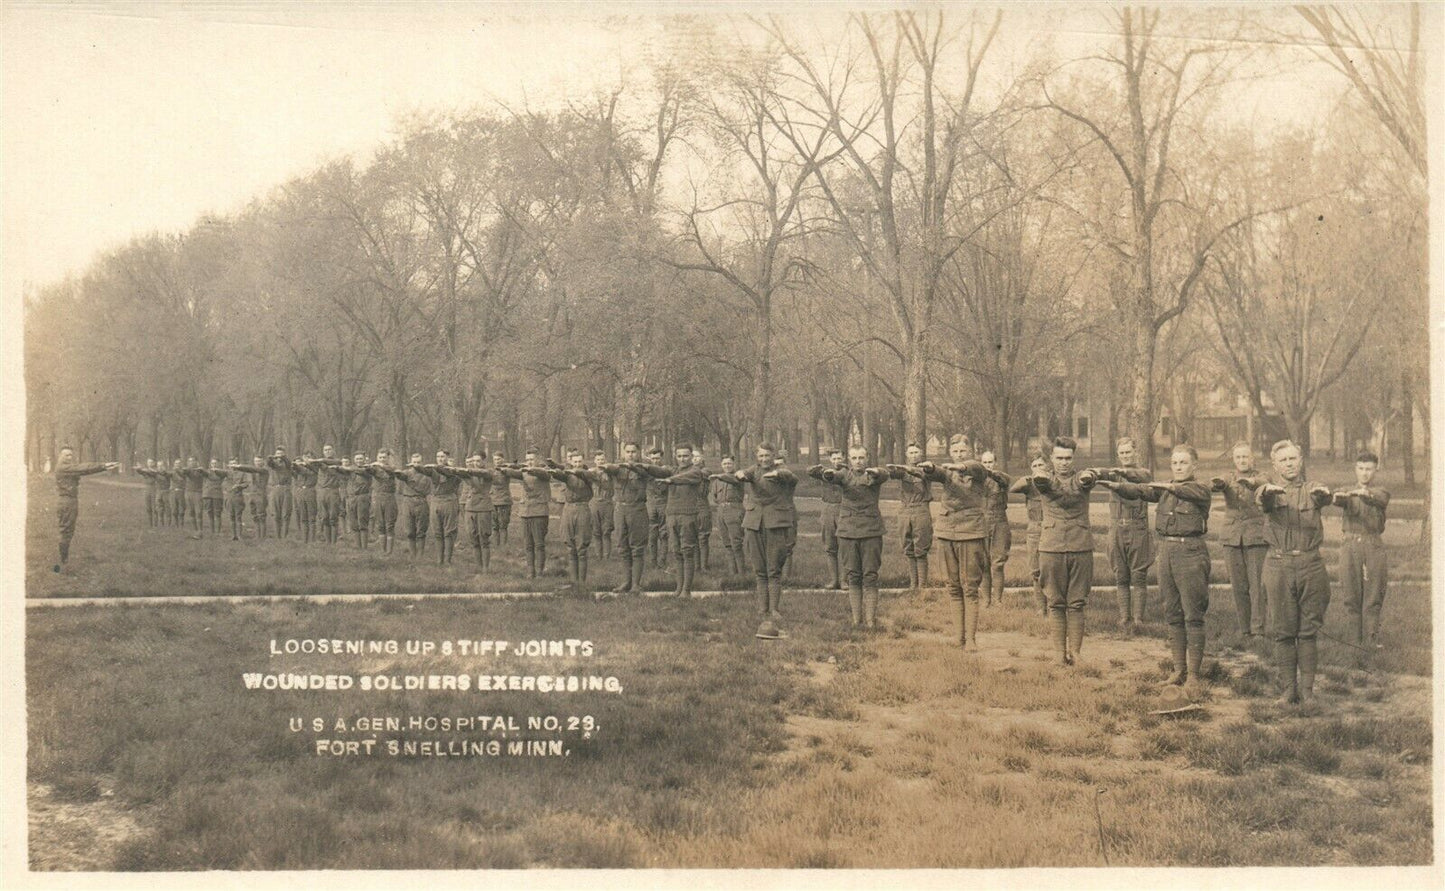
{"points": [[987, 438]]}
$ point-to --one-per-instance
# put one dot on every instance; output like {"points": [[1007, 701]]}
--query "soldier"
{"points": [[177, 476], [1365, 565], [501, 501], [767, 520], [1295, 582], [577, 488], [256, 493], [358, 498], [67, 485], [858, 527], [1181, 520], [684, 484], [1000, 536], [345, 521], [213, 494], [328, 493], [236, 482], [411, 514], [657, 513], [279, 491], [446, 505], [1242, 534], [1131, 546], [727, 504], [162, 480], [963, 530], [634, 526], [536, 481], [303, 494], [787, 576], [915, 497], [704, 513], [195, 484], [832, 496], [478, 483], [1038, 466], [602, 506], [383, 500], [1066, 546], [149, 473]]}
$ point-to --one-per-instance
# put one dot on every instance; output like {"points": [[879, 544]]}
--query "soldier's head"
{"points": [[346, 461], [444, 458], [857, 457], [415, 458], [698, 459], [258, 461], [683, 454], [913, 452], [599, 458], [728, 463], [307, 455], [177, 464], [150, 464], [66, 456], [836, 459], [988, 460], [534, 457], [383, 456], [1287, 459], [1366, 463], [631, 452], [1182, 461], [767, 456], [328, 451], [1039, 465], [279, 453], [1242, 454], [193, 464], [1063, 454], [499, 458], [1127, 451], [654, 455], [480, 457], [575, 460], [960, 449], [215, 464]]}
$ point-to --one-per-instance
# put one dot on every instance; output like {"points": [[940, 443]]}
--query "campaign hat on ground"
{"points": [[1173, 700], [769, 631]]}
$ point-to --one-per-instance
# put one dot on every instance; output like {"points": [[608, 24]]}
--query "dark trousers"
{"points": [[330, 507], [1131, 552], [829, 518], [1183, 568], [767, 551], [861, 558], [682, 533], [445, 516], [1067, 577], [966, 563], [280, 499], [730, 526], [1246, 566], [1000, 541], [633, 528], [411, 517], [577, 527], [479, 529], [1298, 588], [501, 517], [358, 513], [383, 509], [917, 531], [534, 533], [1364, 571]]}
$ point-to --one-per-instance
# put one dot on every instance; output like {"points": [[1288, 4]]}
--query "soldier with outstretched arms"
{"points": [[915, 513], [1034, 508], [1000, 536], [858, 528], [1242, 534], [67, 488], [1131, 546], [634, 526], [1066, 546], [767, 522]]}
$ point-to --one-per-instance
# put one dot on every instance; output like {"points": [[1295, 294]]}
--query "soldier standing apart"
{"points": [[213, 494], [1295, 581], [149, 473], [577, 489], [704, 514], [1181, 520], [1365, 564], [767, 522], [383, 500], [1038, 466], [411, 514], [634, 526], [602, 507], [279, 492], [915, 497], [962, 529], [657, 513], [1131, 546], [501, 500], [328, 493], [1000, 536], [1066, 547], [358, 498], [832, 497], [1242, 534], [477, 483], [859, 528], [236, 483], [67, 486], [727, 503], [446, 504], [536, 492]]}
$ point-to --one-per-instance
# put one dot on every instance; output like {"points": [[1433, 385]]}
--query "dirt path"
{"points": [[79, 836]]}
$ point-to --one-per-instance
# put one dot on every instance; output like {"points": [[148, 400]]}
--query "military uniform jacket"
{"points": [[281, 471], [577, 485], [857, 490], [67, 478], [656, 492], [996, 488], [831, 494], [769, 503], [631, 484], [1243, 524], [1364, 514], [1183, 510], [383, 480], [1064, 528], [446, 483], [195, 479], [303, 477], [162, 480], [358, 481], [412, 483], [212, 483], [1292, 520], [724, 495], [261, 473], [1124, 511], [601, 486], [328, 475], [914, 493], [1033, 505], [536, 489], [684, 489], [237, 481], [965, 502], [501, 490]]}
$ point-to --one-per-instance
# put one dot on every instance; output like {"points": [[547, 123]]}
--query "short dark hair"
{"points": [[1367, 456], [680, 446], [767, 447], [632, 443], [1066, 442], [532, 450], [444, 452], [914, 445], [599, 452], [728, 458], [832, 452], [1186, 448]]}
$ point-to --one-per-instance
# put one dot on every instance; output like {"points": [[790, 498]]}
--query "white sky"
{"points": [[120, 119]]}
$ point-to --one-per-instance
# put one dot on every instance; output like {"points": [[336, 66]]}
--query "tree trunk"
{"points": [[914, 359], [762, 377], [1138, 421], [999, 434]]}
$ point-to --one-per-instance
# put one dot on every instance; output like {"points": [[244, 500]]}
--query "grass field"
{"points": [[830, 749]]}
